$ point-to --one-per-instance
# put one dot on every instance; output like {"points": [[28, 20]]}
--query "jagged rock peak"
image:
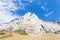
{"points": [[31, 15]]}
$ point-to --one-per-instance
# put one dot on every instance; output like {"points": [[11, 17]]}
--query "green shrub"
{"points": [[1, 33], [22, 32]]}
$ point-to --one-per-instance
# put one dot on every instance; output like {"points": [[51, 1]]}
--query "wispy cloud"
{"points": [[6, 6], [30, 1], [50, 13], [22, 6], [43, 7]]}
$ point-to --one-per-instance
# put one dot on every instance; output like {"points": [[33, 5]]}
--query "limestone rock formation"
{"points": [[32, 24]]}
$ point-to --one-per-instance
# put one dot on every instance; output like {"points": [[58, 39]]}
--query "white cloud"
{"points": [[43, 7], [49, 13], [5, 7], [22, 6], [30, 1]]}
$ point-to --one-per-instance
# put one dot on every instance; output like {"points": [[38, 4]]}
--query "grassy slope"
{"points": [[48, 36]]}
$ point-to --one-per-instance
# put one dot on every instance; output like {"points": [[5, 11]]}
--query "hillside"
{"points": [[49, 36], [32, 24]]}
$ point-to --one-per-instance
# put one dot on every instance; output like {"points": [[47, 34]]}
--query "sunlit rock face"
{"points": [[32, 25]]}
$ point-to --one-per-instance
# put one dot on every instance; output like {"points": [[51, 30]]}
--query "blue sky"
{"points": [[44, 9]]}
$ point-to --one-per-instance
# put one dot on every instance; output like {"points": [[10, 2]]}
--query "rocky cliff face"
{"points": [[32, 24]]}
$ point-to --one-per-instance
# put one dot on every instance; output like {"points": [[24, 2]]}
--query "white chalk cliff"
{"points": [[32, 24]]}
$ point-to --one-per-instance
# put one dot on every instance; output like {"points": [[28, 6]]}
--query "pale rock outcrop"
{"points": [[32, 24]]}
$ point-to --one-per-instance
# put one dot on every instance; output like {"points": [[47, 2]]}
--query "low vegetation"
{"points": [[21, 32], [4, 34]]}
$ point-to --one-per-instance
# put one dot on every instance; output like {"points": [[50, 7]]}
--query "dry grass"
{"points": [[4, 34], [48, 36]]}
